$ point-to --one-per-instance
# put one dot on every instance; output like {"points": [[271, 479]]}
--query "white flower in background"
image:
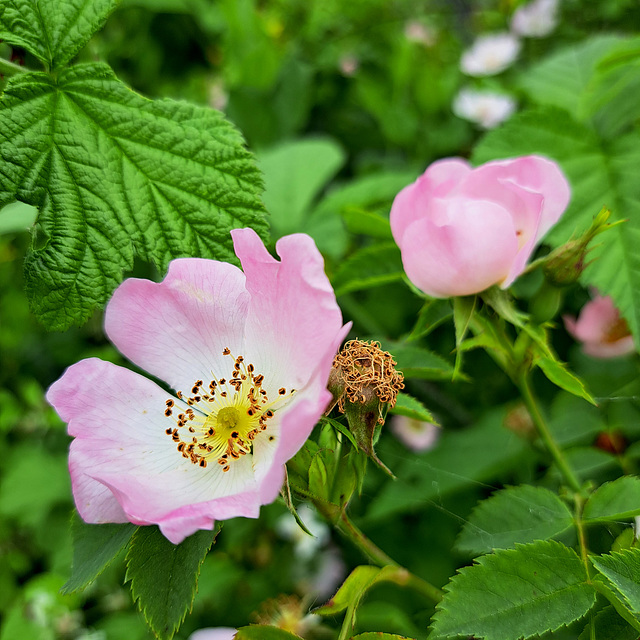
{"points": [[348, 64], [304, 545], [415, 434], [419, 33], [490, 54], [218, 97], [486, 108], [536, 19]]}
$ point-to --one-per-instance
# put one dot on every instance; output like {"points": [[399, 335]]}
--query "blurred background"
{"points": [[344, 103]]}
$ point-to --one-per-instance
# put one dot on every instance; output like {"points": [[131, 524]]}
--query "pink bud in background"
{"points": [[603, 333], [217, 633], [461, 230], [490, 54], [416, 435]]}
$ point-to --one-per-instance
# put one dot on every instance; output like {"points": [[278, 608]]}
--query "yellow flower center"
{"points": [[221, 421]]}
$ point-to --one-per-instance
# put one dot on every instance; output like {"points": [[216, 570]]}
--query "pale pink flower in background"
{"points": [[461, 229], [536, 19], [417, 435], [348, 64], [214, 633], [603, 333], [420, 33], [486, 108], [218, 96], [249, 355], [490, 54]]}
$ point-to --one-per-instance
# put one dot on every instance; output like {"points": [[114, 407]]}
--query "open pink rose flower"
{"points": [[248, 355], [461, 229], [603, 333]]}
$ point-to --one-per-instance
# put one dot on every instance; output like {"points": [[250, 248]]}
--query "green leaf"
{"points": [[514, 515], [416, 362], [264, 632], [115, 175], [409, 406], [561, 79], [615, 500], [621, 571], [516, 593], [52, 30], [372, 266], [600, 174], [378, 635], [94, 547], [558, 373], [463, 310], [367, 223], [360, 580], [608, 625], [164, 576], [432, 314], [294, 174], [17, 216], [461, 458], [611, 101]]}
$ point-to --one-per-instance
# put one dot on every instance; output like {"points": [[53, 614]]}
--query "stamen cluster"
{"points": [[224, 417], [366, 370]]}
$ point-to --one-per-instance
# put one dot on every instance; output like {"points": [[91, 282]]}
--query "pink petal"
{"points": [[293, 318], [416, 200], [463, 258], [539, 175], [118, 422], [177, 329], [218, 633]]}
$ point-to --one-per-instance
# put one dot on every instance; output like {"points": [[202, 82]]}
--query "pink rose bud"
{"points": [[603, 333], [462, 229]]}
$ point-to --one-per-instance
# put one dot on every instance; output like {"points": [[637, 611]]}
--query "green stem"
{"points": [[582, 536], [545, 434], [348, 529], [10, 68]]}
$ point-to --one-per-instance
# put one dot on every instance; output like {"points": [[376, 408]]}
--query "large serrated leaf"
{"points": [[53, 30], [94, 547], [600, 174], [516, 593], [114, 175], [164, 576], [615, 500], [514, 515], [561, 79]]}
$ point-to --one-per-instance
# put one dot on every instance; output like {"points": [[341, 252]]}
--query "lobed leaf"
{"points": [[517, 593], [53, 31], [514, 515], [615, 500], [164, 576], [94, 547], [115, 175]]}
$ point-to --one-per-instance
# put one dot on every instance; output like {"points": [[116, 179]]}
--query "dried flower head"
{"points": [[367, 372]]}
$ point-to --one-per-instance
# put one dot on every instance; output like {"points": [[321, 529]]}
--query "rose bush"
{"points": [[248, 355], [462, 229]]}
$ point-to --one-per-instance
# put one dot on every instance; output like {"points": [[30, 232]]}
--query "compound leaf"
{"points": [[517, 593], [164, 576]]}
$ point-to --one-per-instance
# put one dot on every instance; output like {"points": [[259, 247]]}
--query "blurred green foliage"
{"points": [[343, 109]]}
